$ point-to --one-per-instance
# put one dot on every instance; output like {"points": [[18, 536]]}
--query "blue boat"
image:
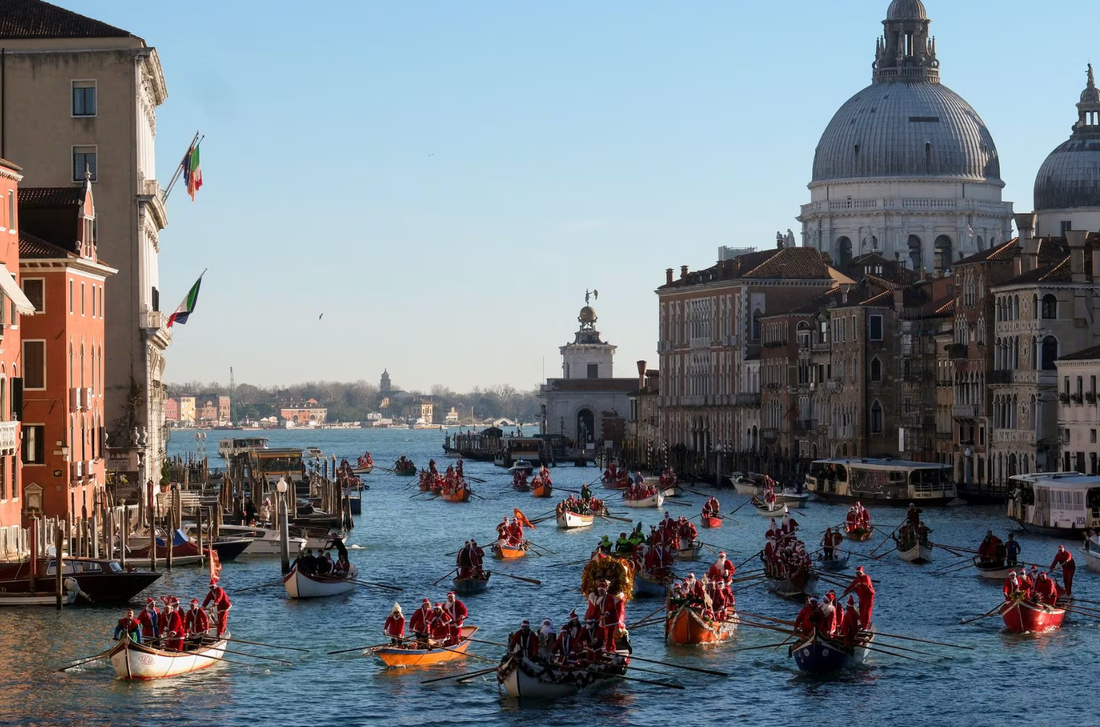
{"points": [[818, 655], [644, 585], [470, 586], [836, 563]]}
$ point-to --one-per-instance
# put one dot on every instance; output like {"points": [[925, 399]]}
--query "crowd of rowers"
{"points": [[652, 554], [784, 555], [172, 628], [431, 626], [586, 504], [1037, 586], [542, 477], [322, 565], [710, 597], [510, 532], [913, 530], [470, 561], [858, 518], [452, 480], [577, 644], [834, 620], [621, 478]]}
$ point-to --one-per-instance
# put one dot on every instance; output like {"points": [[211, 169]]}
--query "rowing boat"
{"points": [[796, 587], [365, 470], [470, 586], [691, 551], [836, 563], [709, 521], [646, 585], [816, 654], [571, 520], [544, 489], [504, 551], [685, 627], [656, 500], [460, 495], [992, 571], [140, 662], [919, 553], [858, 535], [399, 657], [299, 585], [524, 678], [407, 471], [1024, 617], [776, 510]]}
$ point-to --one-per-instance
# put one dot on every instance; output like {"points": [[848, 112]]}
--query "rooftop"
{"points": [[1087, 354], [37, 19], [40, 197], [31, 247], [781, 263]]}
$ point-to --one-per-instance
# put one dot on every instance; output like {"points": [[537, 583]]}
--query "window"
{"points": [[876, 328], [1067, 225], [11, 210], [1080, 386], [70, 297], [34, 365], [1092, 436], [82, 296], [876, 418], [83, 160], [1050, 354], [593, 371], [34, 444], [876, 369], [84, 98], [35, 290], [1050, 307], [1092, 385]]}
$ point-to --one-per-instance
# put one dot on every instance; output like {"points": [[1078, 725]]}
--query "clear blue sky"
{"points": [[442, 180]]}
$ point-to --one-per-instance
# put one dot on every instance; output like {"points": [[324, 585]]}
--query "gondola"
{"points": [[996, 571], [836, 563], [778, 509]]}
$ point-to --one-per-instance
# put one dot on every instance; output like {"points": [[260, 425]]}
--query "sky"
{"points": [[429, 186]]}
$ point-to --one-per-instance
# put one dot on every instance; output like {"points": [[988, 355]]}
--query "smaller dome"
{"points": [[906, 10], [588, 315]]}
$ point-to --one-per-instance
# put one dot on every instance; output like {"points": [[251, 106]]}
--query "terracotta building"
{"points": [[63, 349]]}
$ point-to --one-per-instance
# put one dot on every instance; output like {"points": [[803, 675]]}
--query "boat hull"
{"points": [[37, 598], [653, 501], [816, 655], [919, 553], [795, 588], [408, 472], [508, 552], [1092, 557], [519, 683], [645, 585], [1021, 617], [299, 585], [471, 586], [859, 535], [779, 510], [684, 627], [571, 521], [139, 662], [834, 564], [398, 658], [542, 490], [993, 572], [712, 522], [457, 496], [362, 470], [690, 552]]}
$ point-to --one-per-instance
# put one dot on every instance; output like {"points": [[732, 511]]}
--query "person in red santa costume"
{"points": [[609, 613], [457, 613], [865, 591], [420, 623], [721, 569]]}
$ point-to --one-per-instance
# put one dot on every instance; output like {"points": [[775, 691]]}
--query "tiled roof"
{"points": [[1004, 251], [37, 19], [788, 263], [1057, 272], [1085, 355], [35, 247], [51, 196], [875, 265], [886, 297]]}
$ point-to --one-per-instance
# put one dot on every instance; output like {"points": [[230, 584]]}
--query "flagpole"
{"points": [[179, 167]]}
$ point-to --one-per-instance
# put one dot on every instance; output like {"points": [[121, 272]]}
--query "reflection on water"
{"points": [[403, 540]]}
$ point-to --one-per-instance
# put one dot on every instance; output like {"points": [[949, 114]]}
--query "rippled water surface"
{"points": [[403, 540]]}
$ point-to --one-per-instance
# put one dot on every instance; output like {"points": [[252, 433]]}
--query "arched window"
{"points": [[1050, 353], [916, 252], [1016, 308], [944, 248], [1050, 307], [876, 418], [980, 241], [843, 250], [757, 314], [1035, 307], [1034, 353], [876, 369]]}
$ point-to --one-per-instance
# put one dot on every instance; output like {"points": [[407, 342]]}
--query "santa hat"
{"points": [[149, 601], [213, 581], [525, 622], [396, 608], [573, 614], [450, 594], [859, 569], [427, 601], [194, 601], [722, 554], [851, 600]]}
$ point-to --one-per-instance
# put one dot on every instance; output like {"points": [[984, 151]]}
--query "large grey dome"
{"points": [[1070, 176], [906, 129], [906, 10]]}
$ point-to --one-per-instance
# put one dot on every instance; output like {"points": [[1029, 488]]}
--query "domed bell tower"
{"points": [[587, 357], [905, 52]]}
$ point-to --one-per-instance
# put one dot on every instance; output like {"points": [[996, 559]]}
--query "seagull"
{"points": [[320, 316]]}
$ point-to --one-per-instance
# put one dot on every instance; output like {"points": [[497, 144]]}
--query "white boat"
{"points": [[36, 599], [265, 541], [656, 501], [299, 585], [523, 678], [992, 571], [139, 662], [778, 509], [1091, 551], [919, 553], [745, 486], [571, 520], [522, 465]]}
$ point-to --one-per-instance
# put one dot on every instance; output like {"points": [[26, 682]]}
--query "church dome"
{"points": [[1070, 176], [906, 10]]}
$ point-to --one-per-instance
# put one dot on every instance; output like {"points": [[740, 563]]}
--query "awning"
{"points": [[14, 292]]}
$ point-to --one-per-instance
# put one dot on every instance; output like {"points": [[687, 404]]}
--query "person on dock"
{"points": [[150, 621], [174, 630], [1012, 550], [1065, 559], [394, 628], [420, 623], [864, 589], [128, 626], [524, 641], [457, 612], [196, 623], [220, 599]]}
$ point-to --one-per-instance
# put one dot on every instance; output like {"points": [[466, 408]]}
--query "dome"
{"points": [[1070, 176], [906, 129], [906, 10], [588, 315]]}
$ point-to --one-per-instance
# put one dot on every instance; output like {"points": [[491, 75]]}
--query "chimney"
{"points": [[1028, 254], [683, 271], [668, 276], [641, 375], [1076, 239]]}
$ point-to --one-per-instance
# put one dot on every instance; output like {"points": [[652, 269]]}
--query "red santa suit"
{"points": [[220, 599], [850, 625], [421, 620], [1068, 568], [196, 622], [1011, 585], [174, 630], [565, 646], [515, 533], [457, 613], [1046, 590], [865, 591], [440, 626], [804, 621], [526, 643], [394, 626], [151, 623], [608, 612], [721, 569]]}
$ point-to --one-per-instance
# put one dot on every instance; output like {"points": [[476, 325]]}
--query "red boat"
{"points": [[712, 522], [858, 535], [541, 488], [1024, 617]]}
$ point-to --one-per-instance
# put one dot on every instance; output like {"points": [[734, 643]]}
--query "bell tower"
{"points": [[587, 357], [905, 52]]}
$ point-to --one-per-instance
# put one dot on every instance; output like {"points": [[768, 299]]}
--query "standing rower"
{"points": [[395, 625], [456, 611], [128, 626], [865, 591], [220, 599], [1065, 559], [150, 621], [196, 623]]}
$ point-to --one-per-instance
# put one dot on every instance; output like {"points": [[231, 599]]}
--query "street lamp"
{"points": [[969, 454]]}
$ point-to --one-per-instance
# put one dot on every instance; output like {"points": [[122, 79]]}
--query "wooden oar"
{"points": [[448, 574], [732, 512], [536, 581], [634, 657], [746, 560], [464, 675], [562, 565], [765, 646], [541, 547], [992, 611], [890, 653], [614, 517], [359, 648], [669, 501], [924, 641], [463, 653], [270, 646], [635, 679], [476, 480], [646, 618], [245, 653], [262, 585], [375, 585], [490, 643], [765, 618], [888, 552], [87, 660]]}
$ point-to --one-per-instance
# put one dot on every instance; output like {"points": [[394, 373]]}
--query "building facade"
{"points": [[81, 97], [308, 413], [172, 410], [1078, 413], [188, 413]]}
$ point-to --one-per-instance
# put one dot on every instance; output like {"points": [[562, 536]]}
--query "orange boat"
{"points": [[543, 489], [462, 495], [396, 657], [509, 552], [684, 627], [712, 522]]}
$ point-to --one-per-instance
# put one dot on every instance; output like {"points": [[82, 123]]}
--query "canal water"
{"points": [[402, 539]]}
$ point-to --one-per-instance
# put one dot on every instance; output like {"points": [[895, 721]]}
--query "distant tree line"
{"points": [[353, 401]]}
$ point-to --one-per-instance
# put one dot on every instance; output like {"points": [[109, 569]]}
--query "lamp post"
{"points": [[32, 505], [969, 454], [284, 529]]}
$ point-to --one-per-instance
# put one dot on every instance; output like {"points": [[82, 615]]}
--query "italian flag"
{"points": [[187, 307], [192, 171]]}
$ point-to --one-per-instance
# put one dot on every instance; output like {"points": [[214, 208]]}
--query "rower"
{"points": [[790, 525], [173, 625], [1045, 591], [196, 622], [850, 626], [456, 611], [220, 599], [865, 591], [150, 620], [912, 516], [827, 544], [421, 622], [1065, 559], [721, 568], [586, 492], [524, 642], [440, 626], [1012, 550], [565, 645], [623, 546], [477, 559], [394, 627], [128, 626], [1011, 586], [804, 621]]}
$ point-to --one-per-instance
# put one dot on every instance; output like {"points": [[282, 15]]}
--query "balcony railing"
{"points": [[805, 426], [964, 411], [750, 399], [9, 437]]}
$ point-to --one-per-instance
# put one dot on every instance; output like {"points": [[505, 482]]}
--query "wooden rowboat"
{"points": [[523, 678], [409, 471], [647, 585], [836, 563], [140, 662], [364, 470], [615, 484], [992, 571], [778, 509], [503, 551], [1023, 617], [796, 587], [544, 489], [819, 655], [685, 627], [571, 520], [470, 586], [396, 657], [656, 501], [462, 495], [299, 585], [919, 553], [39, 598], [691, 551], [858, 535], [710, 521], [521, 486]]}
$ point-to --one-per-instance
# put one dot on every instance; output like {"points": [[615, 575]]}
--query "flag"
{"points": [[522, 519], [188, 305], [192, 171]]}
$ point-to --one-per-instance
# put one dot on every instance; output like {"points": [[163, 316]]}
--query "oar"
{"points": [[992, 611], [562, 565], [651, 682], [85, 661], [746, 502], [614, 517], [670, 501], [476, 480], [884, 539], [541, 547], [519, 578], [463, 653], [359, 648], [765, 646], [646, 618], [376, 585], [890, 653], [695, 492], [490, 643], [765, 618], [924, 641], [254, 656], [634, 657], [460, 676], [888, 552], [262, 585], [448, 574], [746, 560], [270, 646]]}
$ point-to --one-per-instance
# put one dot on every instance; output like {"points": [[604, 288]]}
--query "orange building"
{"points": [[13, 305], [63, 349]]}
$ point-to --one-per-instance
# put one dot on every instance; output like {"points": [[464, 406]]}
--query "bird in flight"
{"points": [[320, 316]]}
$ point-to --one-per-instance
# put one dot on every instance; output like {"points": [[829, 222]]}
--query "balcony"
{"points": [[771, 436], [9, 437], [1003, 376], [964, 411], [750, 399], [805, 426], [820, 346]]}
